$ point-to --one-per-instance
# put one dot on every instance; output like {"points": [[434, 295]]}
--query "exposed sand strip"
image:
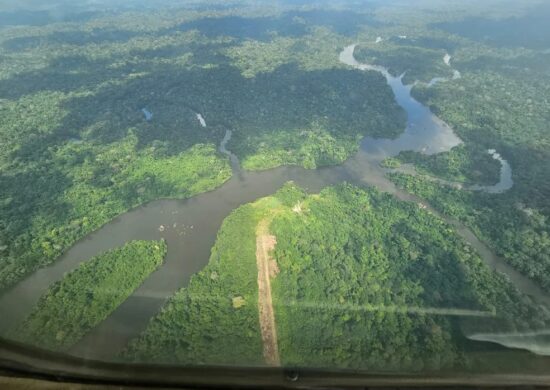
{"points": [[267, 268]]}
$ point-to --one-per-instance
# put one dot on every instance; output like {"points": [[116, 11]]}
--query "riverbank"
{"points": [[192, 224]]}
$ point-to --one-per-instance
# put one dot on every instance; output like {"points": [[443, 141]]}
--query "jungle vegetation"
{"points": [[362, 277], [467, 164], [86, 296], [73, 130], [517, 232], [200, 324], [500, 101], [360, 272], [413, 62], [76, 151]]}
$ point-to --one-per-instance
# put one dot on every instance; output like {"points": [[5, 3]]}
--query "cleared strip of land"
{"points": [[267, 268]]}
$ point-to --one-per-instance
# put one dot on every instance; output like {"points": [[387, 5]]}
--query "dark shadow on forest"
{"points": [[63, 74], [260, 28], [173, 93], [26, 191], [42, 17], [531, 182], [203, 7], [342, 22], [531, 30], [70, 73], [74, 37], [221, 94], [202, 54], [427, 42], [291, 24], [530, 65]]}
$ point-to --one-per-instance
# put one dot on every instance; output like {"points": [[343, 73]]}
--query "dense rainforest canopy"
{"points": [[86, 296], [365, 281], [105, 107], [73, 129]]}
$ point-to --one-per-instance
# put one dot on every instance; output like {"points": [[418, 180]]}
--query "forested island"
{"points": [[86, 296], [106, 108]]}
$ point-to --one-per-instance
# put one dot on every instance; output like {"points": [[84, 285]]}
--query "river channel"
{"points": [[190, 226]]}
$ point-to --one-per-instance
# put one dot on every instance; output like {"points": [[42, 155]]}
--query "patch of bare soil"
{"points": [[267, 269]]}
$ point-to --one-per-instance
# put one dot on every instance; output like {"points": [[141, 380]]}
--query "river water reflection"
{"points": [[190, 226]]}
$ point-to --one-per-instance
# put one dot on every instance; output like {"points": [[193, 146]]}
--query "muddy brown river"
{"points": [[190, 226]]}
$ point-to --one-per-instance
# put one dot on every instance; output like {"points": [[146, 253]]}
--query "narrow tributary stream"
{"points": [[190, 226]]}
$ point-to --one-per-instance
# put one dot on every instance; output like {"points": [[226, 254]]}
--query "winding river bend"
{"points": [[190, 226]]}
